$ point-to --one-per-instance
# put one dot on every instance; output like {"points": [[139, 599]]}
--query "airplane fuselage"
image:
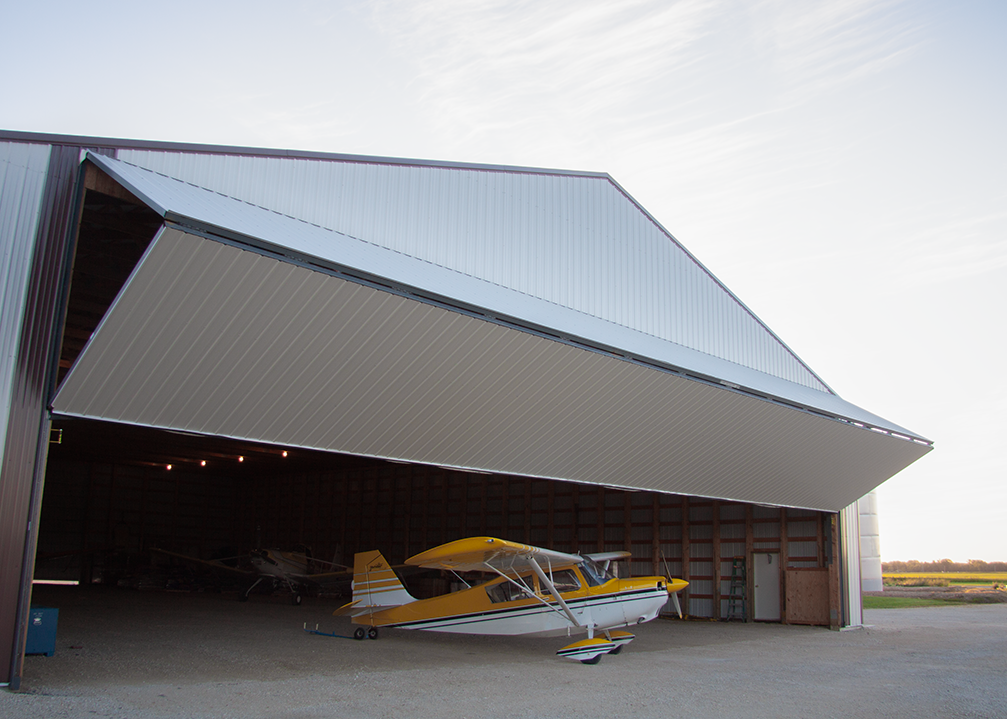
{"points": [[281, 565], [616, 603]]}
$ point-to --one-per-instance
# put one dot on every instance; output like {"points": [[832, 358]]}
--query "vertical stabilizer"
{"points": [[375, 584]]}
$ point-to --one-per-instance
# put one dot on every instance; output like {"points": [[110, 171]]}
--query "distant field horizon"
{"points": [[943, 565]]}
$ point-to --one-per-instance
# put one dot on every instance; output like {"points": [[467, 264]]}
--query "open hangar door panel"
{"points": [[210, 338]]}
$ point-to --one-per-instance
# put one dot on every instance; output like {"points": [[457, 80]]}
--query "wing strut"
{"points": [[547, 583], [527, 590]]}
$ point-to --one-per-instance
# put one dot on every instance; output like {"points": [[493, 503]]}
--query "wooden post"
{"points": [[627, 522], [482, 505], [426, 508], [784, 561], [686, 553], [655, 536], [599, 521], [373, 511], [835, 595], [406, 514], [463, 521], [86, 559], [820, 541], [716, 559], [575, 501], [527, 511], [550, 517], [749, 574], [346, 509], [504, 508]]}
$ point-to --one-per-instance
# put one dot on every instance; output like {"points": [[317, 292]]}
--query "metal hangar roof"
{"points": [[491, 319]]}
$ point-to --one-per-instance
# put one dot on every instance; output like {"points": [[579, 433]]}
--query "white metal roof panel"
{"points": [[211, 338], [312, 244], [575, 240]]}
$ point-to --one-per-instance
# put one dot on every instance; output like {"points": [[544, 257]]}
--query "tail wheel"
{"points": [[295, 599], [372, 633], [359, 633]]}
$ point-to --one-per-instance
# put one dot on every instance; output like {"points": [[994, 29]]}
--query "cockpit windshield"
{"points": [[595, 574]]}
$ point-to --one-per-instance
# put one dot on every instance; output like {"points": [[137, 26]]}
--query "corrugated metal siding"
{"points": [[853, 603], [23, 467], [22, 180], [23, 171], [575, 241], [303, 358]]}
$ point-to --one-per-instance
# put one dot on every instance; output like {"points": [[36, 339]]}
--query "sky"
{"points": [[840, 165]]}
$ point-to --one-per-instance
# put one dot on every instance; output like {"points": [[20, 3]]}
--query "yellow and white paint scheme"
{"points": [[537, 592]]}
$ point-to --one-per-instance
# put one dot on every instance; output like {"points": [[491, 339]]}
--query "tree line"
{"points": [[944, 565]]}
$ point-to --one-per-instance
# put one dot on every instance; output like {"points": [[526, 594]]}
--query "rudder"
{"points": [[375, 583]]}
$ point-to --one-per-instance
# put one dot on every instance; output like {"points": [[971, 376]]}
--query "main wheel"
{"points": [[616, 650], [592, 660], [372, 633], [295, 599], [359, 633]]}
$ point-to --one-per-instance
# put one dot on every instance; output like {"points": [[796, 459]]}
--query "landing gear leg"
{"points": [[243, 597]]}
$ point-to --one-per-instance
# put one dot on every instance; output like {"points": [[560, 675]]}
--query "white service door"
{"points": [[767, 587]]}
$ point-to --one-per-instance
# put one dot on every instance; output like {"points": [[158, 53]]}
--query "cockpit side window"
{"points": [[564, 580], [507, 591], [595, 574]]}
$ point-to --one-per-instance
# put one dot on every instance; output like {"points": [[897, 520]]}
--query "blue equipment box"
{"points": [[42, 631]]}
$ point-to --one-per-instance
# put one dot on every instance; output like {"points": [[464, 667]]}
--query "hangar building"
{"points": [[361, 352]]}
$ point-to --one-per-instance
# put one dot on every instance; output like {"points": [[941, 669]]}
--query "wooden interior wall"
{"points": [[403, 509], [95, 509], [104, 518]]}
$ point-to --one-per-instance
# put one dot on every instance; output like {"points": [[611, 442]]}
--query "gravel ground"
{"points": [[122, 653]]}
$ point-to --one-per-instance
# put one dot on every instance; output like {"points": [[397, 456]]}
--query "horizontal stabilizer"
{"points": [[347, 609]]}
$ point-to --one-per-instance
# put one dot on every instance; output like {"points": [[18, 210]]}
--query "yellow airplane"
{"points": [[537, 592]]}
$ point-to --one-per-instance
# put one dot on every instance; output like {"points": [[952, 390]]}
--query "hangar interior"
{"points": [[441, 350], [110, 499]]}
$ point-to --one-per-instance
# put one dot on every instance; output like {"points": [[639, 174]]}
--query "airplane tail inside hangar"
{"points": [[434, 349]]}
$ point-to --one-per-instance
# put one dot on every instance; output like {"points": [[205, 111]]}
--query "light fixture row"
{"points": [[202, 462]]}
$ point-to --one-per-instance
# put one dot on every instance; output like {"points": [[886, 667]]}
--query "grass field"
{"points": [[950, 577], [871, 602]]}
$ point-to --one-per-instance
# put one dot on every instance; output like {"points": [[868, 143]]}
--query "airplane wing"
{"points": [[213, 563], [480, 553], [602, 557], [322, 577]]}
